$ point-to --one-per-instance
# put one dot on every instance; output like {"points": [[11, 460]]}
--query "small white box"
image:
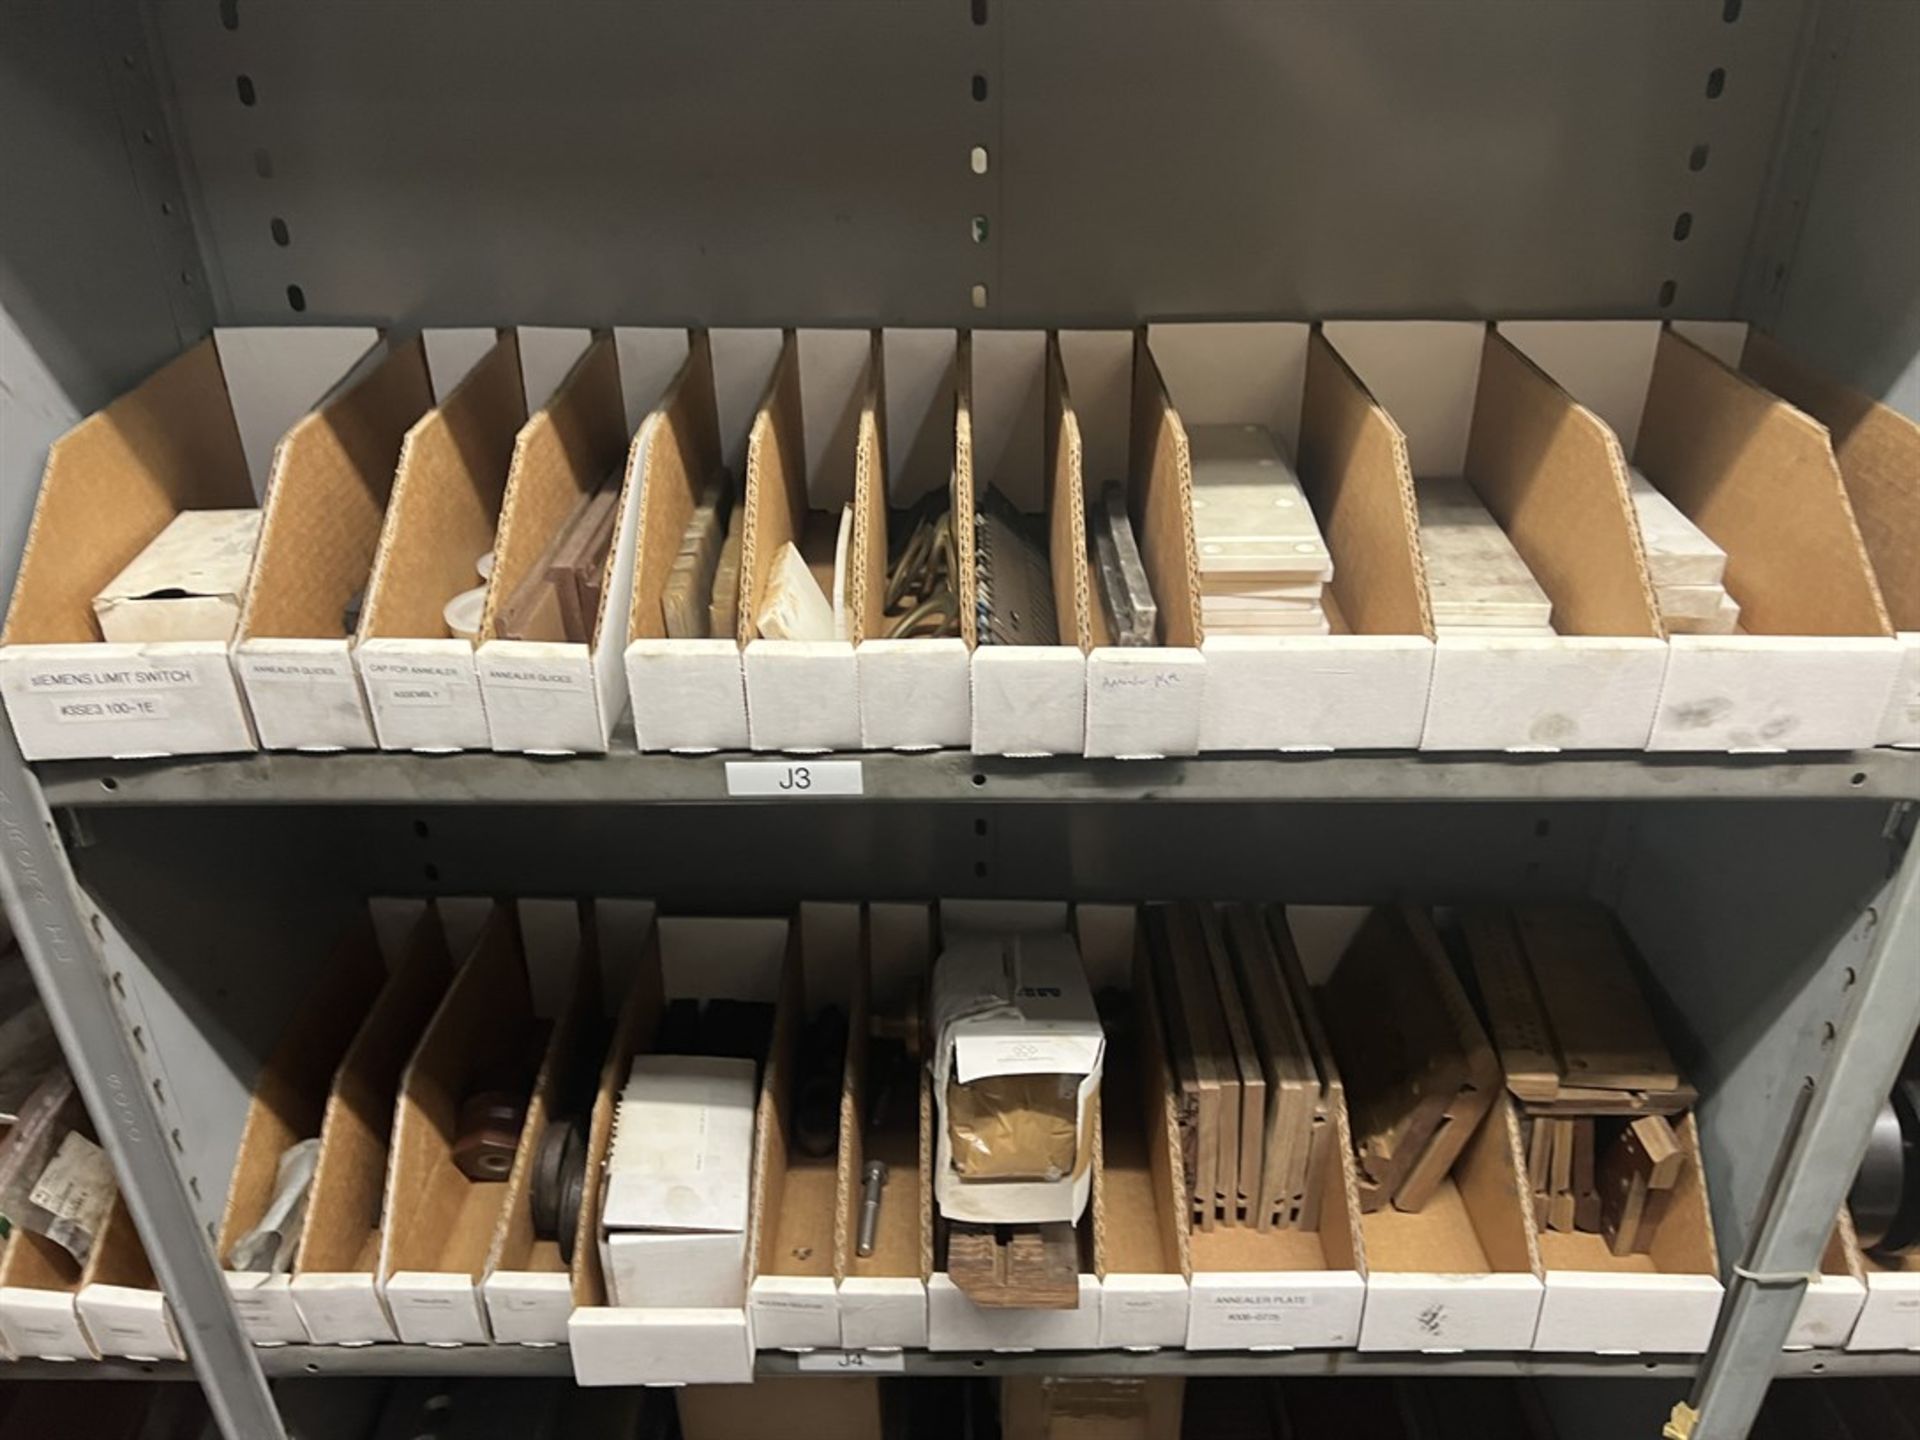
{"points": [[794, 1312], [1145, 702], [1029, 700], [1890, 1319], [265, 1306], [915, 694], [1014, 1004], [1144, 1312], [803, 696], [883, 1312], [342, 1309], [186, 585], [1600, 1313], [660, 1347], [528, 1307], [44, 1324], [432, 1308]]}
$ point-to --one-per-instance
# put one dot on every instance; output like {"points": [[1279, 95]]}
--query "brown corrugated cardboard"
{"points": [[440, 1223], [808, 1408], [452, 476], [333, 475], [335, 1277], [1879, 454], [289, 1105]]}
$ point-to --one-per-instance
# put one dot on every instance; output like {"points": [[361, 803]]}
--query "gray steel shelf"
{"points": [[479, 778]]}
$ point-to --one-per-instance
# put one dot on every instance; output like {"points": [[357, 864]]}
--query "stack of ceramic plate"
{"points": [[1475, 578], [1263, 561], [1688, 570]]}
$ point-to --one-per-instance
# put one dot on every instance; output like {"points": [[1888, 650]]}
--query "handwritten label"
{"points": [[870, 1362], [763, 779], [1156, 680]]}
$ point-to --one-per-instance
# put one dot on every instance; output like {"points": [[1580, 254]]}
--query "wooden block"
{"points": [[1560, 1213], [1584, 1100], [1187, 1000], [1275, 1036], [1606, 1032], [1560, 1172], [1665, 1158], [1586, 1192], [1539, 1154], [1651, 1217], [1516, 1016], [1244, 1198], [1475, 577], [1034, 1267], [1323, 1158], [1624, 1171]]}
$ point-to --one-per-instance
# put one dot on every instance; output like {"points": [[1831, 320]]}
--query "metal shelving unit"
{"points": [[170, 165]]}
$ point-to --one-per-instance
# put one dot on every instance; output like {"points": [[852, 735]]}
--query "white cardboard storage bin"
{"points": [[524, 983], [1021, 438], [1143, 702], [197, 434], [557, 696], [335, 1286], [690, 695], [793, 1301], [1661, 1303], [1365, 688], [1470, 406], [289, 1105], [1890, 1318], [119, 1300], [814, 448], [915, 694], [332, 476], [1814, 663], [1878, 450], [690, 957]]}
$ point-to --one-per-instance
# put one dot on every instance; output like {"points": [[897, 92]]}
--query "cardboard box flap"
{"points": [[290, 1094], [560, 458], [344, 1206], [639, 1019], [439, 1221], [560, 1093], [867, 557], [776, 485], [1236, 373], [1160, 499], [113, 482], [1759, 477], [118, 1257], [1879, 453], [1066, 508], [680, 443], [332, 476], [919, 375], [1139, 1213], [1553, 476], [1354, 466], [769, 1136], [451, 478]]}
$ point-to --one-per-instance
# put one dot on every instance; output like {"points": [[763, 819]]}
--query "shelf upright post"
{"points": [[1817, 1166], [43, 901]]}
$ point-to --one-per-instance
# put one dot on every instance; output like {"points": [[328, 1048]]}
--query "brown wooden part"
{"points": [[1624, 1171], [1664, 1157], [1036, 1267], [1607, 1035], [1243, 1196], [1584, 1100], [1515, 1014]]}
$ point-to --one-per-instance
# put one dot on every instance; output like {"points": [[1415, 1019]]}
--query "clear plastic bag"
{"points": [[54, 1178]]}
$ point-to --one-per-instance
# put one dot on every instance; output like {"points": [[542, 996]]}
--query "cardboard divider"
{"points": [[422, 682], [1664, 1302], [1473, 407], [528, 1286], [1024, 440], [119, 1301], [681, 957], [1878, 450], [38, 1284], [794, 1301], [1815, 659], [111, 484], [688, 695], [548, 693], [883, 1296], [1464, 1273], [335, 1287], [288, 1106], [440, 1223], [1836, 1295], [1145, 701], [815, 444], [1890, 1318], [1365, 685], [915, 693], [332, 477], [1140, 1232]]}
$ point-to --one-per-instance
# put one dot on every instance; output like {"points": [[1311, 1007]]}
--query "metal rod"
{"points": [[43, 903], [875, 1177]]}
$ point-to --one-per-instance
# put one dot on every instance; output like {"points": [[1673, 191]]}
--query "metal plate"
{"points": [[755, 161]]}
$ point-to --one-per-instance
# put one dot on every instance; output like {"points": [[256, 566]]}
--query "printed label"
{"points": [[841, 1361], [407, 692], [761, 779], [131, 677], [122, 708], [521, 677], [1259, 1307], [793, 1304], [296, 672]]}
